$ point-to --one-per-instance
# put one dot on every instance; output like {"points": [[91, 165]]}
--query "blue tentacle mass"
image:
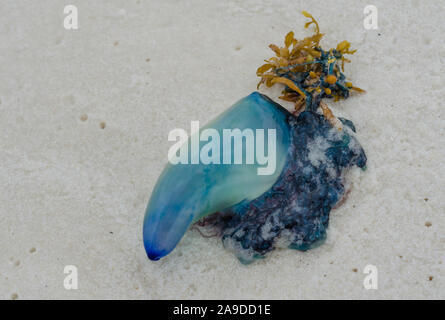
{"points": [[257, 213], [294, 213]]}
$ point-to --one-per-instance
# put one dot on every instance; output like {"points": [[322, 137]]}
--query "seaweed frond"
{"points": [[308, 72]]}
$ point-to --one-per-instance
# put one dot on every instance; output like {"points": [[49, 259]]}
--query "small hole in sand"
{"points": [[102, 125], [32, 250], [147, 60], [430, 278], [14, 296], [69, 100], [428, 224], [192, 287], [58, 40], [84, 117], [116, 43], [355, 269], [426, 199]]}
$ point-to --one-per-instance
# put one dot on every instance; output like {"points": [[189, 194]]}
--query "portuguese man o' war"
{"points": [[289, 207]]}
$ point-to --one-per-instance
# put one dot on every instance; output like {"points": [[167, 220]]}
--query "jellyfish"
{"points": [[289, 206]]}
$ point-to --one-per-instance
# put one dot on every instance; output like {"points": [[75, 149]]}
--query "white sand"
{"points": [[77, 193]]}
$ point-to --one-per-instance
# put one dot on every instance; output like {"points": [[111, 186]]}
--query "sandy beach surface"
{"points": [[84, 120]]}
